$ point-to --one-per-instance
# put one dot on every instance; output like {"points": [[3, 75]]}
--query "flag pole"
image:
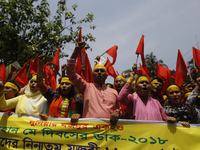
{"points": [[137, 58], [190, 75], [103, 53]]}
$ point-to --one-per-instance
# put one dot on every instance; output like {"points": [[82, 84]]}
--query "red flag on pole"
{"points": [[140, 50], [49, 76], [55, 61], [45, 71], [113, 53], [21, 77], [144, 72], [110, 69], [196, 56], [83, 59], [3, 73], [165, 74], [34, 65], [181, 70]]}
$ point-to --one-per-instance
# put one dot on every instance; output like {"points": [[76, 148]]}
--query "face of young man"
{"points": [[156, 88], [119, 83], [143, 88], [99, 75]]}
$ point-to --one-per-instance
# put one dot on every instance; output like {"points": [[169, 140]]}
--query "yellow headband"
{"points": [[120, 77], [142, 78], [164, 96], [58, 86], [109, 85], [99, 66], [12, 85], [187, 94], [35, 78], [66, 79], [156, 81], [172, 87]]}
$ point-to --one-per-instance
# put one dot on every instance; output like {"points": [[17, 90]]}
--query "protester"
{"points": [[64, 104], [193, 99], [177, 109], [156, 88], [30, 103], [11, 89], [126, 110], [144, 106], [99, 101]]}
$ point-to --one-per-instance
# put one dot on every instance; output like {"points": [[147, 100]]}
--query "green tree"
{"points": [[126, 73], [27, 28], [151, 63]]}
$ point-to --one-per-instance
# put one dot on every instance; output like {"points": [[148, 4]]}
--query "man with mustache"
{"points": [[99, 101]]}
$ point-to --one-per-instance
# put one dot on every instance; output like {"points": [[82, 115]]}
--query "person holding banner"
{"points": [[30, 103], [99, 101], [65, 103], [144, 106], [183, 113], [193, 99]]}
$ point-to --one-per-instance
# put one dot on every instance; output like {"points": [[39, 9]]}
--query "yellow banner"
{"points": [[30, 133]]}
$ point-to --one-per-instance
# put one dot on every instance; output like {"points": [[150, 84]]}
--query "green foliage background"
{"points": [[27, 27]]}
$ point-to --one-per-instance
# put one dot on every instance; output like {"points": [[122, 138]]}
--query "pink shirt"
{"points": [[151, 111], [98, 102]]}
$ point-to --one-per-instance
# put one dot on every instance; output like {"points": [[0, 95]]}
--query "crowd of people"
{"points": [[137, 98]]}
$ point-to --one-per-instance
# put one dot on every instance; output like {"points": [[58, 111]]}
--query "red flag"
{"points": [[31, 62], [21, 77], [196, 57], [55, 61], [3, 73], [113, 53], [83, 59], [173, 76], [144, 72], [34, 65], [165, 74], [140, 50], [110, 69], [181, 70], [49, 76], [45, 71]]}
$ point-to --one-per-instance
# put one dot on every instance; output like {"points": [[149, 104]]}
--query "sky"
{"points": [[168, 25]]}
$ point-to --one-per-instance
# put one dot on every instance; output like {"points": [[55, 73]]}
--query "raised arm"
{"points": [[41, 59], [79, 46]]}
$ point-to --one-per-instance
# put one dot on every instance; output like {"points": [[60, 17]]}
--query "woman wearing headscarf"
{"points": [[31, 103]]}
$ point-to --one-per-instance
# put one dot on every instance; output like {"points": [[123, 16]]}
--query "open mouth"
{"points": [[32, 87], [144, 89]]}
